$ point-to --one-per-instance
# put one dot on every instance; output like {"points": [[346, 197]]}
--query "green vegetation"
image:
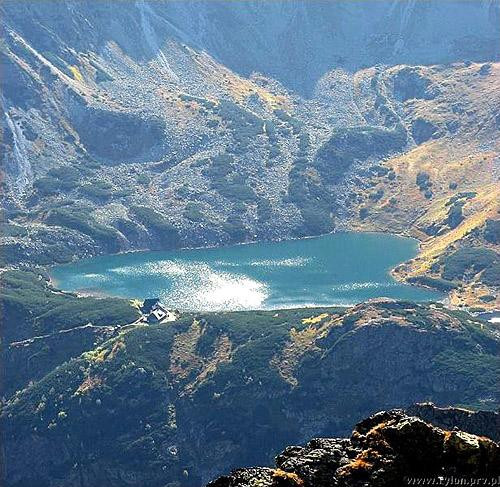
{"points": [[12, 230], [193, 212], [79, 218], [492, 231], [157, 223], [63, 178], [221, 165], [379, 170], [363, 213], [143, 179], [212, 377], [347, 145], [311, 198], [456, 203], [295, 124], [128, 228], [491, 275], [377, 195], [488, 298], [423, 181], [436, 283], [226, 181], [234, 227], [317, 220], [477, 369], [245, 126], [264, 210], [304, 143], [466, 262], [30, 306], [98, 189], [455, 216]]}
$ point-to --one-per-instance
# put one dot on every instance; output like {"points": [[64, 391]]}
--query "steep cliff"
{"points": [[387, 449]]}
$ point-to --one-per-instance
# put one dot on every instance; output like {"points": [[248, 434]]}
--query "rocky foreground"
{"points": [[387, 449]]}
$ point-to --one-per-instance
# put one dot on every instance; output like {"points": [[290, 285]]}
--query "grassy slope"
{"points": [[461, 162], [42, 327]]}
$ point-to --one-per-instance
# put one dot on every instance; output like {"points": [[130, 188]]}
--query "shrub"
{"points": [[379, 170], [237, 191], [144, 179], [377, 195], [193, 212], [491, 275], [347, 145], [31, 307], [157, 223], [46, 186], [295, 124], [274, 152], [487, 298], [304, 142], [492, 231], [436, 283], [244, 124], [465, 260], [128, 228], [12, 230], [423, 180], [455, 216], [60, 178], [264, 209], [97, 189], [317, 219], [79, 219], [221, 166], [234, 227]]}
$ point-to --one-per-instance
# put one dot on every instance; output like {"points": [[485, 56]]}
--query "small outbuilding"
{"points": [[149, 305], [158, 314]]}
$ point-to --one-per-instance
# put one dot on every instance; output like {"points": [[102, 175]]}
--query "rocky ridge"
{"points": [[387, 449]]}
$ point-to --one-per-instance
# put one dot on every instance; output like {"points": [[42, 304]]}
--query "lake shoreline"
{"points": [[236, 244], [341, 269]]}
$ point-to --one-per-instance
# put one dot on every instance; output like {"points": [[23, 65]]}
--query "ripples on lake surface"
{"points": [[337, 269]]}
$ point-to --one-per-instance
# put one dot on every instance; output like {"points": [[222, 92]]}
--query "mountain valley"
{"points": [[225, 155], [187, 124]]}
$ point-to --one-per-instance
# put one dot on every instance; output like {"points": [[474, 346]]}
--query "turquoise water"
{"points": [[336, 269]]}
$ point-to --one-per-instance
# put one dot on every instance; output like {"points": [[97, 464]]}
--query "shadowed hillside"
{"points": [[188, 400]]}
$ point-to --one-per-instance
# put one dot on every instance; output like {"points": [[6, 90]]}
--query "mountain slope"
{"points": [[253, 36], [138, 128], [444, 191], [185, 401]]}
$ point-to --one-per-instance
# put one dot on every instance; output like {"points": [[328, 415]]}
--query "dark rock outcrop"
{"points": [[386, 449], [481, 423]]}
